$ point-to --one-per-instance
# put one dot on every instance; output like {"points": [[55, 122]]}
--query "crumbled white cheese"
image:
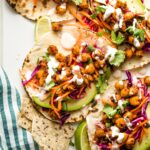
{"points": [[136, 42], [134, 24], [110, 52], [101, 71], [67, 40], [52, 64], [110, 10]]}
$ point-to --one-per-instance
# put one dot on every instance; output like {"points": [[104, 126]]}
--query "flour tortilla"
{"points": [[44, 7], [117, 75]]}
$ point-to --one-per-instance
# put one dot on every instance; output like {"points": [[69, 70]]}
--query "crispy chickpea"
{"points": [[84, 4], [128, 16], [76, 50], [116, 116], [85, 57], [133, 91], [96, 64], [101, 63], [117, 96], [41, 81], [56, 26], [89, 77], [128, 115], [130, 142], [124, 92], [52, 50], [147, 80], [90, 69], [61, 9], [130, 39], [122, 4], [60, 57], [40, 74], [60, 66], [139, 53], [99, 133], [134, 101], [119, 85], [120, 123], [129, 53]]}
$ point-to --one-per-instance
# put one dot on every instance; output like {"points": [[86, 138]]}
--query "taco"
{"points": [[123, 122]]}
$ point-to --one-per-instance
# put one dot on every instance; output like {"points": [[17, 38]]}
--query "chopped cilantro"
{"points": [[100, 9], [110, 112], [49, 85], [93, 16], [119, 58], [46, 57], [117, 39], [90, 48], [100, 34], [102, 84]]}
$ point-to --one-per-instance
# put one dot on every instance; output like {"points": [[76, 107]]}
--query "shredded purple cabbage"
{"points": [[77, 95], [129, 78], [134, 122], [32, 75], [63, 118], [146, 47], [103, 146], [128, 131], [143, 111], [145, 89], [138, 134]]}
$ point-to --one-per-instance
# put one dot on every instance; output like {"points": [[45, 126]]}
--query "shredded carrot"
{"points": [[74, 13], [70, 59]]}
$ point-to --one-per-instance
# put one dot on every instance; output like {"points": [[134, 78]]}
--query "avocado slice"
{"points": [[70, 104], [137, 5], [145, 143]]}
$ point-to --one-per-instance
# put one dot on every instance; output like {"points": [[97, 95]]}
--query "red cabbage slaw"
{"points": [[32, 75], [146, 47], [129, 78]]}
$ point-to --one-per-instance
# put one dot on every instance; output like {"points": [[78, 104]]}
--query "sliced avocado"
{"points": [[137, 5], [145, 143], [44, 104], [72, 105]]}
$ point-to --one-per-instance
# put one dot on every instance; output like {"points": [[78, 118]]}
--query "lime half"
{"points": [[42, 27], [81, 137]]}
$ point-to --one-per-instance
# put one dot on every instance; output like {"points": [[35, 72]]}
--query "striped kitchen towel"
{"points": [[12, 137]]}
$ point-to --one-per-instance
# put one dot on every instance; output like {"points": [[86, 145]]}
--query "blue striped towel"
{"points": [[12, 137]]}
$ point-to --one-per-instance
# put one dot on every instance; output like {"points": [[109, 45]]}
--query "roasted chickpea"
{"points": [[128, 115], [129, 53], [40, 73], [60, 57], [99, 133], [89, 77], [61, 9], [121, 4], [139, 53], [134, 101], [128, 16], [133, 91], [76, 50], [52, 50], [120, 123], [56, 26], [119, 85], [101, 63], [117, 96], [130, 39], [90, 69], [60, 66], [97, 65], [130, 142], [124, 92], [116, 116], [84, 4], [147, 80], [41, 81], [85, 57]]}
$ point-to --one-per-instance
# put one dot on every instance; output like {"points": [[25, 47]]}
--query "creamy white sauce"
{"points": [[110, 10], [52, 64], [63, 6], [79, 58], [75, 69], [63, 73], [113, 2], [67, 40], [134, 24], [75, 78], [120, 137], [116, 27], [110, 52], [121, 82], [101, 71], [101, 42], [119, 17], [120, 104], [136, 42], [128, 123]]}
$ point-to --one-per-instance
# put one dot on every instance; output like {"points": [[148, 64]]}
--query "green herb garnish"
{"points": [[117, 39]]}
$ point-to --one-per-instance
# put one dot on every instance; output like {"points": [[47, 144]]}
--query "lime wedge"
{"points": [[81, 137], [42, 27]]}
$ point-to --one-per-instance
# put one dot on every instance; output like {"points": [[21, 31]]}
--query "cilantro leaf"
{"points": [[90, 48], [102, 84], [100, 9], [77, 2], [93, 16], [100, 34], [49, 85], [117, 39], [139, 33], [47, 57], [110, 112], [119, 58]]}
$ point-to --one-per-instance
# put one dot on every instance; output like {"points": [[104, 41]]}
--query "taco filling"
{"points": [[124, 120]]}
